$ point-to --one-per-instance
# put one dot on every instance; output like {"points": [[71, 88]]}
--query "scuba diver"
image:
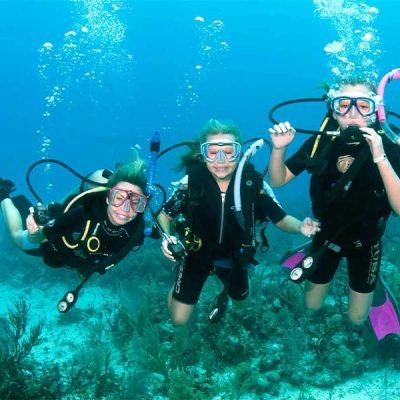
{"points": [[204, 210], [354, 188], [91, 231]]}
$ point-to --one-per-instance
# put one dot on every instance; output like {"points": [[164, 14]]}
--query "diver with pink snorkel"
{"points": [[354, 162]]}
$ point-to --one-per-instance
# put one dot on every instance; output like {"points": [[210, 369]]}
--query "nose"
{"points": [[221, 157], [353, 113], [126, 206]]}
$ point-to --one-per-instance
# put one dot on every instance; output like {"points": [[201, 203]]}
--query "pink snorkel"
{"points": [[392, 75]]}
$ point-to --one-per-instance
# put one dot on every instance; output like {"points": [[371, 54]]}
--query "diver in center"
{"points": [[221, 244]]}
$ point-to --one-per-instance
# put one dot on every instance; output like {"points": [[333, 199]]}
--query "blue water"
{"points": [[274, 52], [261, 53]]}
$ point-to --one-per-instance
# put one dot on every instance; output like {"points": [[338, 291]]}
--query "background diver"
{"points": [[91, 231]]}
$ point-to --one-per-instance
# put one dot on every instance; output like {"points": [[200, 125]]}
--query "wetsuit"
{"points": [[103, 244], [353, 210], [211, 216]]}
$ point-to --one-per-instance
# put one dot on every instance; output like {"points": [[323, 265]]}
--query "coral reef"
{"points": [[125, 346]]}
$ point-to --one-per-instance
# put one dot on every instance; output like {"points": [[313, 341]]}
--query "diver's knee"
{"points": [[181, 316], [313, 307], [313, 304], [314, 296], [178, 320], [5, 206], [358, 318], [180, 312]]}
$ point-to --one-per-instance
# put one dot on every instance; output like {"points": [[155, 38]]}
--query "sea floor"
{"points": [[74, 340], [61, 343]]}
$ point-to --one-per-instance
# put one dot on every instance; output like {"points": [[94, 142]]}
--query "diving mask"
{"points": [[127, 199], [220, 151], [342, 105]]}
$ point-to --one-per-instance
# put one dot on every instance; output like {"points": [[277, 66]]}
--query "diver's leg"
{"points": [[359, 305], [180, 312], [319, 281], [221, 300], [191, 276], [235, 280], [315, 295], [239, 288], [13, 221], [364, 266]]}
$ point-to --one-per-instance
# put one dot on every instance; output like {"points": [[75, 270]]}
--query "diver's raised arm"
{"points": [[282, 135]]}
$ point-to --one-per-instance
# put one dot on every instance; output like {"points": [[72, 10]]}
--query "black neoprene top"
{"points": [[364, 203], [84, 237], [213, 217]]}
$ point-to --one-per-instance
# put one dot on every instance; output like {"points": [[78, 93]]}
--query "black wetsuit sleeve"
{"points": [[63, 224], [297, 162], [268, 208]]}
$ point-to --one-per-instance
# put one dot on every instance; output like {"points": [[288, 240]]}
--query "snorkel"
{"points": [[392, 75], [150, 187], [238, 179]]}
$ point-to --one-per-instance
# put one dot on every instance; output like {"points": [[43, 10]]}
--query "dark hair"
{"points": [[133, 172], [211, 128]]}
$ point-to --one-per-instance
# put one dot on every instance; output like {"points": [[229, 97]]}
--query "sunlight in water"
{"points": [[356, 50], [210, 47], [93, 46]]}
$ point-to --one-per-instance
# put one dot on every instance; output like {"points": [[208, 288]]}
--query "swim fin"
{"points": [[384, 315], [301, 262], [219, 306], [294, 256]]}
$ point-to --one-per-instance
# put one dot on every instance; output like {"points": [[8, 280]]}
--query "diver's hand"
{"points": [[31, 225], [309, 227], [282, 134], [35, 231], [165, 247], [374, 141]]}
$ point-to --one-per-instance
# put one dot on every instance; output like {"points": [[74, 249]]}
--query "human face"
{"points": [[223, 165], [124, 201], [354, 105]]}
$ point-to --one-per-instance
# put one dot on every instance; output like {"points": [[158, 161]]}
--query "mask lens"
{"points": [[341, 105], [365, 106], [138, 202], [135, 201], [117, 197]]}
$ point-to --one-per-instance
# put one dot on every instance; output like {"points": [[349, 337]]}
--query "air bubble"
{"points": [[48, 46]]}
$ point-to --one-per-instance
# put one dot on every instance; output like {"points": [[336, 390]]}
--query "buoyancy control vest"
{"points": [[82, 236], [211, 213], [345, 185]]}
